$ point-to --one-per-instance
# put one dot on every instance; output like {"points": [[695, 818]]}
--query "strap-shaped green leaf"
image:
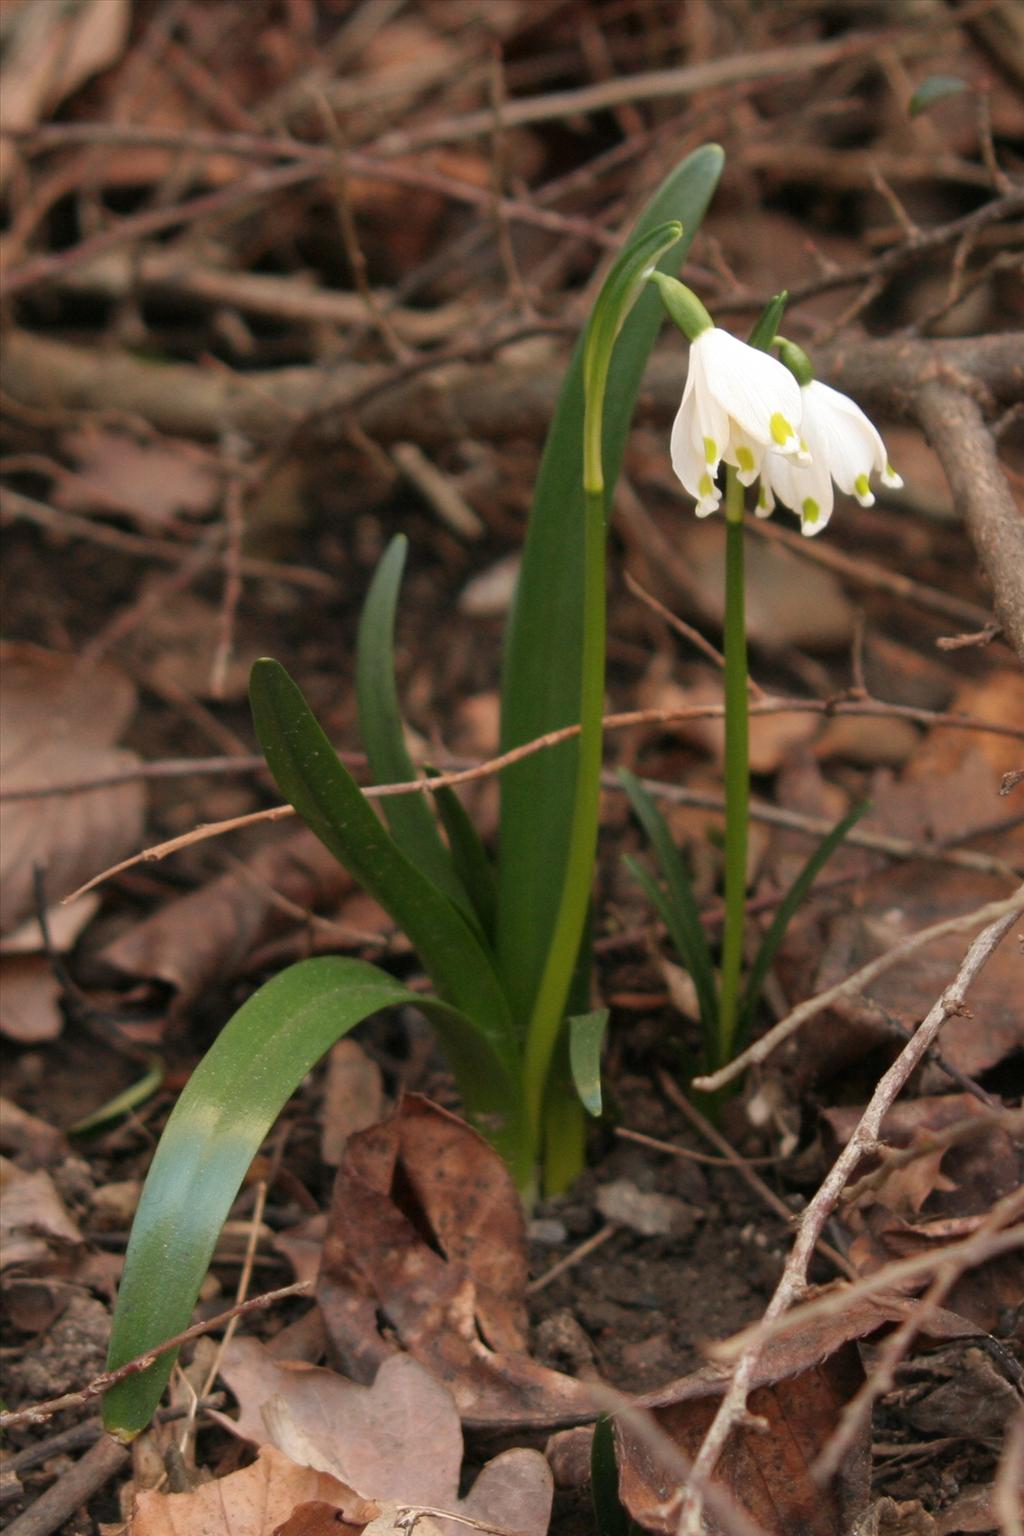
{"points": [[784, 915], [470, 859], [609, 1516], [225, 1111], [541, 686], [586, 1037], [330, 802], [410, 817], [677, 905]]}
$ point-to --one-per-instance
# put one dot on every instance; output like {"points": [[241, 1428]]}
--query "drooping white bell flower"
{"points": [[738, 404], [845, 448]]}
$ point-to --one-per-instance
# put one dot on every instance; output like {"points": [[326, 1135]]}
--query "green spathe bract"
{"points": [[476, 931]]}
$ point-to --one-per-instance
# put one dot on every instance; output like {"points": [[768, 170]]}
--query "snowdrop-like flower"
{"points": [[845, 448], [738, 404]]}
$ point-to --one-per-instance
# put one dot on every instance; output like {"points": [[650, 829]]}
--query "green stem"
{"points": [[737, 768], [549, 1008]]}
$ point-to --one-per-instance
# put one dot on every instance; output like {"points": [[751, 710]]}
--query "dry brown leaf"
{"points": [[890, 907], [53, 49], [209, 934], [33, 1217], [766, 1472], [149, 481], [903, 1216], [60, 723], [29, 999], [426, 1231], [397, 1442], [253, 1502]]}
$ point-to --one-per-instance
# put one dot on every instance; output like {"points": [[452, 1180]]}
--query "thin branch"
{"points": [[39, 1412], [857, 983], [550, 739], [867, 1133]]}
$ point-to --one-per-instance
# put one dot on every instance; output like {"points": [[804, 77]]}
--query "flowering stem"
{"points": [[737, 768]]}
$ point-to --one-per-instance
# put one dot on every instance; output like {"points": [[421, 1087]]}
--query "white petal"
{"points": [[688, 460], [838, 432], [756, 391]]}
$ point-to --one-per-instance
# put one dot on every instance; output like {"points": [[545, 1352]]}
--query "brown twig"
{"points": [[983, 1245], [957, 431], [72, 1489], [38, 1412], [812, 1222], [628, 720]]}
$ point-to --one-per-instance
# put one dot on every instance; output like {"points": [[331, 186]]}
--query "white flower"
{"points": [[738, 403], [844, 447]]}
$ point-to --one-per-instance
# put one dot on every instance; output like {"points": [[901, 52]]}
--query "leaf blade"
{"points": [[215, 1130], [586, 1037], [538, 696], [310, 776], [409, 817]]}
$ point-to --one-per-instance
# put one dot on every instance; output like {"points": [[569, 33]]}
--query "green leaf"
{"points": [[586, 1037], [410, 817], [610, 1517], [677, 905], [542, 677], [784, 915], [469, 856], [215, 1130], [934, 89], [330, 802]]}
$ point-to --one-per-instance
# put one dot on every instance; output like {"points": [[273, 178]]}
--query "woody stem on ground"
{"points": [[737, 768]]}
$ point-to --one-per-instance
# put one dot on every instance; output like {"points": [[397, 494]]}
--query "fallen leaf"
{"points": [[397, 1442], [149, 481], [890, 907], [208, 935], [33, 1217], [426, 1231], [315, 1518], [51, 50], [253, 1502], [60, 723], [766, 1471], [29, 999]]}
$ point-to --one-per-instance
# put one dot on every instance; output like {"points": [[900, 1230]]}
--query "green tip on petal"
{"points": [[781, 430], [745, 459], [809, 510], [891, 479], [711, 453], [706, 486]]}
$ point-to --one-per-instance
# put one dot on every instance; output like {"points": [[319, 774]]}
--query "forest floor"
{"points": [[285, 279]]}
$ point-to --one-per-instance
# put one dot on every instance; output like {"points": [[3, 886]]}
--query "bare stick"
{"points": [[553, 738], [812, 1222], [1012, 906], [957, 430], [107, 1379], [72, 1489]]}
